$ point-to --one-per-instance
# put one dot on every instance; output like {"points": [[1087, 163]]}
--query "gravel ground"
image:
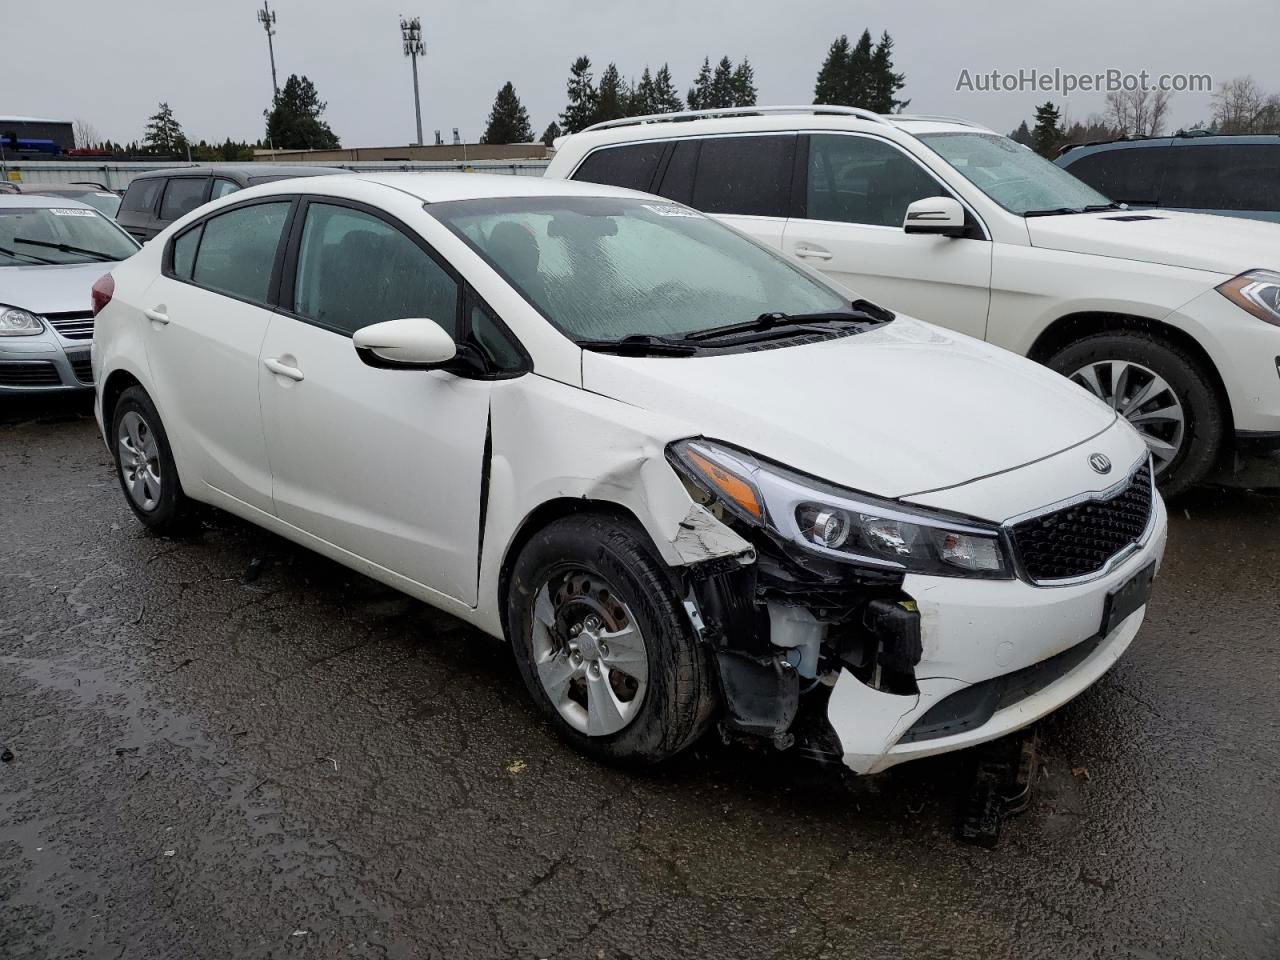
{"points": [[229, 747]]}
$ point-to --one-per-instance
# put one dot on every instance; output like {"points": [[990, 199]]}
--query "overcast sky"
{"points": [[110, 63]]}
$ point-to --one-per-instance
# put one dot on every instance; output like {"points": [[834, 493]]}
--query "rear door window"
{"points": [[1222, 177], [141, 195], [182, 196], [632, 166], [747, 176], [1122, 174], [238, 251]]}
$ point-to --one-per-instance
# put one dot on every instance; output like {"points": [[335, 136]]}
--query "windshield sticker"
{"points": [[71, 212], [671, 210]]}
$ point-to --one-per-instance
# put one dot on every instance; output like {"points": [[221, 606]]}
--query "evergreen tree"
{"points": [[1047, 134], [1022, 135], [665, 98], [164, 133], [643, 99], [293, 122], [884, 83], [830, 86], [700, 93], [549, 135], [581, 109], [508, 120], [858, 84], [611, 98], [722, 84], [744, 85]]}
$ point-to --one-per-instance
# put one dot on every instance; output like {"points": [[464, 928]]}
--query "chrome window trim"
{"points": [[1105, 493]]}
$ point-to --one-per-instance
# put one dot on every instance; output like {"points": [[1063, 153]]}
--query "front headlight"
{"points": [[841, 524], [18, 323], [1257, 292]]}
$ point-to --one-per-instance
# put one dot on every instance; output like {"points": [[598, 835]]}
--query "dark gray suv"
{"points": [[157, 198]]}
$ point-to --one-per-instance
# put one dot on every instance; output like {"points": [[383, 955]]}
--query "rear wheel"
{"points": [[604, 644], [1162, 391], [145, 467]]}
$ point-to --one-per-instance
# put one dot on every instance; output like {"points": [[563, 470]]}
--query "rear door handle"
{"points": [[807, 252], [156, 314], [283, 369]]}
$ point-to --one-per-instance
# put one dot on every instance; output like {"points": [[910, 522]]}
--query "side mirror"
{"points": [[413, 343], [941, 216]]}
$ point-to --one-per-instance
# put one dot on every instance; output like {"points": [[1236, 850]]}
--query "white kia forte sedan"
{"points": [[689, 481]]}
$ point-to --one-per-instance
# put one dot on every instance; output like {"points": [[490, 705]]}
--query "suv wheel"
{"points": [[604, 644], [1162, 391], [145, 467]]}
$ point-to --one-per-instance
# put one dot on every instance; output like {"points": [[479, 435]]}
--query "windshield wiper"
{"points": [[66, 248], [641, 345], [859, 312], [1057, 211], [30, 256]]}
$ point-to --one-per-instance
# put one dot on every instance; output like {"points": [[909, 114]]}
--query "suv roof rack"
{"points": [[934, 116], [816, 108]]}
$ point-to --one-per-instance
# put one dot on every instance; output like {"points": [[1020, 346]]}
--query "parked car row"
{"points": [[664, 421]]}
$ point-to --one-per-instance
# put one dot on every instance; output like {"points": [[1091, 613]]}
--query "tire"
{"points": [[676, 701], [149, 478], [1200, 440]]}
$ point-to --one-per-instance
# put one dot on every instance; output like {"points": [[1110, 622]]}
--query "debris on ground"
{"points": [[1003, 777], [1079, 772], [6, 755], [516, 766]]}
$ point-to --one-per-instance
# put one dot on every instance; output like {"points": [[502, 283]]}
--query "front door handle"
{"points": [[156, 314], [807, 252], [283, 369]]}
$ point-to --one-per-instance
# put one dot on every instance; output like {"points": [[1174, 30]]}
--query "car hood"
{"points": [[898, 410], [55, 288], [1174, 238]]}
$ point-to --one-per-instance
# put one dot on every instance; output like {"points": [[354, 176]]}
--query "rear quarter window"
{"points": [[1222, 177], [632, 166], [141, 195]]}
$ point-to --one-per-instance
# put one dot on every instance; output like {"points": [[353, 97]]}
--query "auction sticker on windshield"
{"points": [[70, 212], [671, 210]]}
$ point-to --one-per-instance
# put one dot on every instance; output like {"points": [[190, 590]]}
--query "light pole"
{"points": [[267, 17], [411, 34]]}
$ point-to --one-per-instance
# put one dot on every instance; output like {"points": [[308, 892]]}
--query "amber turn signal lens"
{"points": [[729, 484]]}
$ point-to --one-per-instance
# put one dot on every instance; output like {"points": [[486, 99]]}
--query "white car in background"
{"points": [[1171, 318], [52, 250], [687, 478]]}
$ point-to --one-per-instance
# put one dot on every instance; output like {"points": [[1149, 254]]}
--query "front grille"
{"points": [[33, 373], [1079, 540], [82, 364], [74, 325]]}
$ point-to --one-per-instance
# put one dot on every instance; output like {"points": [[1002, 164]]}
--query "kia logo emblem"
{"points": [[1100, 463]]}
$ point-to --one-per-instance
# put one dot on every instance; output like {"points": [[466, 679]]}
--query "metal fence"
{"points": [[116, 176]]}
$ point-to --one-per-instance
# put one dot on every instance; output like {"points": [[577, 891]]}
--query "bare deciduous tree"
{"points": [[1241, 106], [86, 134], [1138, 113]]}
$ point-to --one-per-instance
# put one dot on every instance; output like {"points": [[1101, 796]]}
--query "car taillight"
{"points": [[101, 293]]}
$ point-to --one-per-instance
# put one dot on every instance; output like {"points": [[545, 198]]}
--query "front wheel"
{"points": [[1164, 393], [604, 644]]}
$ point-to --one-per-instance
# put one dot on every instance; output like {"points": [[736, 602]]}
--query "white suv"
{"points": [[1171, 318]]}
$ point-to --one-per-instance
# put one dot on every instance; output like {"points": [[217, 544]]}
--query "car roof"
{"points": [[35, 201], [1191, 138], [443, 187], [242, 169], [763, 119]]}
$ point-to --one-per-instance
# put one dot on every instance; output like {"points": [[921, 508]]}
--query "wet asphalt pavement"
{"points": [[229, 747]]}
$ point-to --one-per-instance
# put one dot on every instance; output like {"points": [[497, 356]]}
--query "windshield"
{"points": [[1018, 179], [602, 268], [46, 235]]}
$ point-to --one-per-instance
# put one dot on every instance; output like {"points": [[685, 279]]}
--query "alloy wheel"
{"points": [[589, 652], [1142, 397], [139, 461]]}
